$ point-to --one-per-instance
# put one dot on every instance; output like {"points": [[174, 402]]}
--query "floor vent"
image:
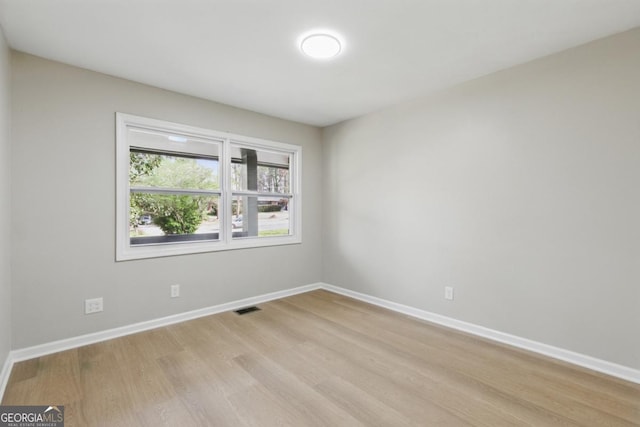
{"points": [[247, 310]]}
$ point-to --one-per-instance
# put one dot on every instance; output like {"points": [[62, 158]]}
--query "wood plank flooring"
{"points": [[317, 359]]}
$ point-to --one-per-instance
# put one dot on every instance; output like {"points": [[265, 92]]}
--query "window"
{"points": [[184, 190]]}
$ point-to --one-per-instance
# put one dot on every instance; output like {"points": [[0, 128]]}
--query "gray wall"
{"points": [[64, 214], [520, 189], [5, 203]]}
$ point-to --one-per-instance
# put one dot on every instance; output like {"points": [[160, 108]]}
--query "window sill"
{"points": [[186, 247]]}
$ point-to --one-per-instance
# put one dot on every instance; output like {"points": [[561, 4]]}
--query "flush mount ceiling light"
{"points": [[320, 46]]}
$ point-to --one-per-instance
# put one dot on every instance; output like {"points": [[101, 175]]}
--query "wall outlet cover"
{"points": [[448, 293], [93, 305], [175, 291]]}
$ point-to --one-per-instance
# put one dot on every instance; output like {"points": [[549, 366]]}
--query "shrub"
{"points": [[178, 214], [269, 208]]}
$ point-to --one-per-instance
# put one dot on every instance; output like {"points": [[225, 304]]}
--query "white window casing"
{"points": [[167, 139]]}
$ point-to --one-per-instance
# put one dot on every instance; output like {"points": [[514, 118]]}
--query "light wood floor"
{"points": [[317, 359]]}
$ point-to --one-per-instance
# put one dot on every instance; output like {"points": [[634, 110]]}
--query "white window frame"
{"points": [[125, 251]]}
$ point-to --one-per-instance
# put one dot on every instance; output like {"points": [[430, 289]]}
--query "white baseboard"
{"points": [[589, 362], [4, 374], [585, 361], [74, 342], [69, 343]]}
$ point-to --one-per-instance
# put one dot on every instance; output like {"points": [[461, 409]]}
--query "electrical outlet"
{"points": [[448, 293], [175, 291], [93, 305]]}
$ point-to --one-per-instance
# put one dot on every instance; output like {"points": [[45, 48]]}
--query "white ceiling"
{"points": [[244, 52]]}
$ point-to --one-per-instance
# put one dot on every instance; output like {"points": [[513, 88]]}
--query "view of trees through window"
{"points": [[182, 190], [260, 186], [166, 191], [174, 195]]}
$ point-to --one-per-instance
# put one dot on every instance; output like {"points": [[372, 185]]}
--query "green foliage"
{"points": [[178, 172], [140, 164], [174, 214], [134, 214], [177, 214], [269, 208], [183, 214]]}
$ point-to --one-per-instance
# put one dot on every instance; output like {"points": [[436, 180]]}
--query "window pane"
{"points": [[257, 170], [183, 189], [148, 169], [161, 218], [260, 216]]}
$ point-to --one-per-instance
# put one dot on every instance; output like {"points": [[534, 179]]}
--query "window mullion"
{"points": [[185, 191], [261, 194], [155, 197], [227, 199]]}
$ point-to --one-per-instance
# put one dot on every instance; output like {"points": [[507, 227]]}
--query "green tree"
{"points": [[179, 172], [140, 164], [177, 214], [174, 214]]}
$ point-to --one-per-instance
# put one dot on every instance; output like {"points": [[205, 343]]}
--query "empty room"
{"points": [[325, 213]]}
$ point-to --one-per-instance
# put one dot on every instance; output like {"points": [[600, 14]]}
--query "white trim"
{"points": [[69, 343], [223, 142], [589, 362], [572, 357], [5, 373]]}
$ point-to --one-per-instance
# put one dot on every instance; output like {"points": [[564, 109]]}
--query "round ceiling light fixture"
{"points": [[321, 46]]}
